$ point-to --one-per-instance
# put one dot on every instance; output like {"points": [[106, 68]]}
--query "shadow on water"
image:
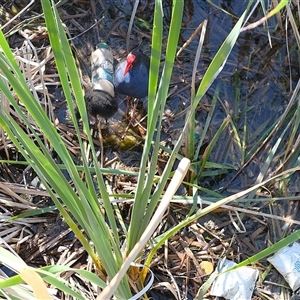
{"points": [[254, 84]]}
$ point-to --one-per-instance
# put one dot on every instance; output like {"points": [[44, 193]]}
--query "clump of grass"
{"points": [[80, 202]]}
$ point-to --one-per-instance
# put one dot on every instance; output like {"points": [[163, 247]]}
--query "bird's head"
{"points": [[131, 58]]}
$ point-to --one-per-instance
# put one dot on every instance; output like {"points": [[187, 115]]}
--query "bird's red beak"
{"points": [[130, 60]]}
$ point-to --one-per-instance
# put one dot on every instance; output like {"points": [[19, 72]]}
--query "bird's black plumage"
{"points": [[100, 103]]}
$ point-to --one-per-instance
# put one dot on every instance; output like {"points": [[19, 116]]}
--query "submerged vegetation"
{"points": [[210, 174]]}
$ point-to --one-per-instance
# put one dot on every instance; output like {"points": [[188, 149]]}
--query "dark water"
{"points": [[254, 84]]}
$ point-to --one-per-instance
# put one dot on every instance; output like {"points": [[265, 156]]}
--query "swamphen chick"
{"points": [[132, 74]]}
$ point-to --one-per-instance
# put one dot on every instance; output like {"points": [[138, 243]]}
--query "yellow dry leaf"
{"points": [[207, 267], [32, 278]]}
